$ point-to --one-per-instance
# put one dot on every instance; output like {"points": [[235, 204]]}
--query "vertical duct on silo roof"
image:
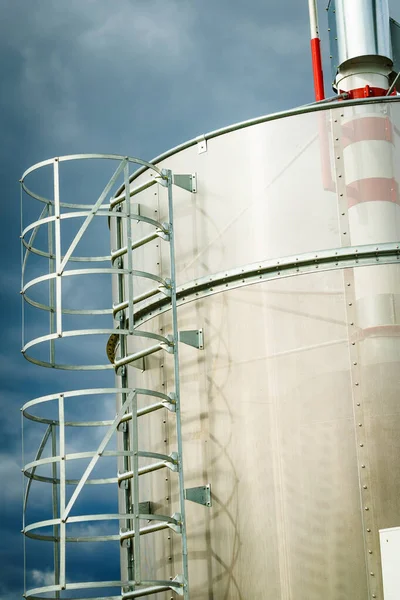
{"points": [[364, 45]]}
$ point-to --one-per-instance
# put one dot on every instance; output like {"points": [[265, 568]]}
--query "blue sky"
{"points": [[130, 77]]}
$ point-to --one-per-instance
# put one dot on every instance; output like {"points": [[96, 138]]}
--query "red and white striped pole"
{"points": [[316, 52], [369, 154]]}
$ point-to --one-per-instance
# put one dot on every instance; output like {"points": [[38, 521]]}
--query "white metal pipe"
{"points": [[312, 9], [364, 45], [363, 29]]}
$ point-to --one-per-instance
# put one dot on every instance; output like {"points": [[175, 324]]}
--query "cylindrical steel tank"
{"points": [[291, 411]]}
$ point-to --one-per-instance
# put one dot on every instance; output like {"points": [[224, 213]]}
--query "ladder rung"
{"points": [[170, 462], [153, 587], [145, 530], [149, 409], [159, 233], [164, 523], [118, 307], [137, 355]]}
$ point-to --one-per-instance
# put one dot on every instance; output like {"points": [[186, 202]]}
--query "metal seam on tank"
{"points": [[366, 505], [164, 414], [337, 258]]}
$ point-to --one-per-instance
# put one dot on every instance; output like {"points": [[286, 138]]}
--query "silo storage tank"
{"points": [[286, 270]]}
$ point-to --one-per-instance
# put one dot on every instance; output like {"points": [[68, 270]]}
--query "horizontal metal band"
{"points": [[310, 262]]}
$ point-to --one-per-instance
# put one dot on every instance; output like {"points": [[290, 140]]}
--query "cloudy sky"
{"points": [[131, 77]]}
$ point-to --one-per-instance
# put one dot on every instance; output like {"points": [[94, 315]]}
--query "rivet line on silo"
{"points": [[164, 413], [367, 517]]}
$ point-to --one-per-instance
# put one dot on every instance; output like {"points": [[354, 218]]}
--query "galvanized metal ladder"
{"points": [[129, 477]]}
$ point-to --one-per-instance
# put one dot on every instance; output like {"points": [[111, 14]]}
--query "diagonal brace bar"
{"points": [[95, 458], [90, 216]]}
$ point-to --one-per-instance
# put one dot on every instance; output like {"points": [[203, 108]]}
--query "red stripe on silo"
{"points": [[367, 128], [374, 189]]}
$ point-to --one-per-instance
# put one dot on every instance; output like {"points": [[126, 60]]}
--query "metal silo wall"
{"points": [[291, 410]]}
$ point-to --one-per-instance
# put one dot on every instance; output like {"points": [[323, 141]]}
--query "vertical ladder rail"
{"points": [[124, 381], [134, 430], [175, 334], [131, 536]]}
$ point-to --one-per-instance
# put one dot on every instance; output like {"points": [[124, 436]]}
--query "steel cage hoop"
{"points": [[67, 311], [92, 392], [72, 273], [34, 464], [81, 332], [92, 271], [70, 482], [50, 202], [71, 157], [105, 212], [67, 367], [78, 519], [63, 216], [97, 584], [80, 272], [50, 256]]}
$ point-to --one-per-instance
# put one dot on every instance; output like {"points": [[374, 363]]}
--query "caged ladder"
{"points": [[68, 521], [137, 512]]}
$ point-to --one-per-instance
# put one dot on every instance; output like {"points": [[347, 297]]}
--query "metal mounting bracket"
{"points": [[139, 364], [179, 590], [145, 508], [200, 495], [125, 543], [201, 144], [135, 208], [186, 182], [177, 525], [193, 337]]}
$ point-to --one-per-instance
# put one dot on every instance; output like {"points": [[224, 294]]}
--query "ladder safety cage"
{"points": [[63, 262]]}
